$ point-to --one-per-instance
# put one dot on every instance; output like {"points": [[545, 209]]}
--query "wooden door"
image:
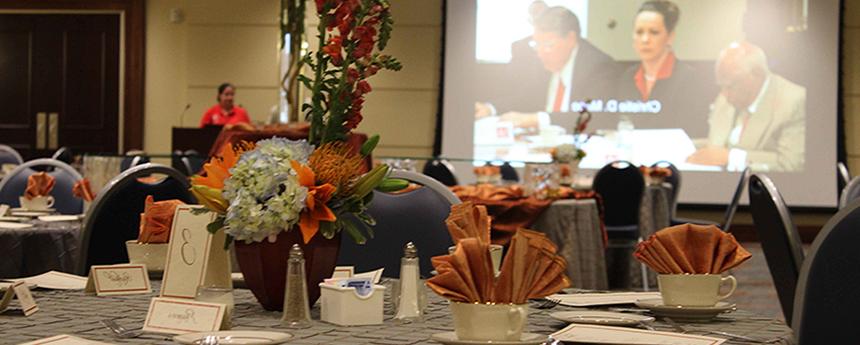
{"points": [[59, 82]]}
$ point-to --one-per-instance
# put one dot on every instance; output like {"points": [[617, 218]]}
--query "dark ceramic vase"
{"points": [[264, 265]]}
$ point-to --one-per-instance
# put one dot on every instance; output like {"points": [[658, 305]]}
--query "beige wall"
{"points": [[851, 83], [223, 40]]}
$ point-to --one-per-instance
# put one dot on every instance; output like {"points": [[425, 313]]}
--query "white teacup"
{"points": [[485, 322], [694, 290], [495, 256], [39, 203]]}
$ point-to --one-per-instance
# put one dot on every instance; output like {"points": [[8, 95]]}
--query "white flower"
{"points": [[264, 193], [566, 153]]}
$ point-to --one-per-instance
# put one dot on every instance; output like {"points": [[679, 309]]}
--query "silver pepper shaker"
{"points": [[410, 296], [297, 313]]}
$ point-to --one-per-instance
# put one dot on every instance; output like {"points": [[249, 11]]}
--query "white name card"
{"points": [[19, 289], [64, 339], [177, 316], [122, 279], [194, 257]]}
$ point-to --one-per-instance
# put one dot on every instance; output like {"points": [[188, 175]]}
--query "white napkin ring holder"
{"points": [[344, 306]]}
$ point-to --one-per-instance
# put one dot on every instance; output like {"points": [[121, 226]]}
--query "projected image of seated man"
{"points": [[758, 119]]}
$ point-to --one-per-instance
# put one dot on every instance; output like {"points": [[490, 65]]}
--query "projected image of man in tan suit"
{"points": [[759, 118]]}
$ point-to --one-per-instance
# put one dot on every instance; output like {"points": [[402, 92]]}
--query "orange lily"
{"points": [[218, 168], [316, 209]]}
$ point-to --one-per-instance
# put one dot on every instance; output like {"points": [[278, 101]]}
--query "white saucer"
{"points": [[8, 225], [31, 214], [21, 209], [680, 313], [236, 337], [450, 338], [59, 218], [13, 219], [596, 317]]}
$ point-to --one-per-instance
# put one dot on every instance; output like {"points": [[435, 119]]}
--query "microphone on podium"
{"points": [[182, 116]]}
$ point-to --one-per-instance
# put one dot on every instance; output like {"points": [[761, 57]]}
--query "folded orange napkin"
{"points": [[690, 248], [487, 170], [469, 221], [156, 220], [530, 269], [655, 171], [488, 192], [39, 184], [82, 190]]}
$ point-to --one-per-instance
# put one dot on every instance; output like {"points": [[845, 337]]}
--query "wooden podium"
{"points": [[198, 139]]}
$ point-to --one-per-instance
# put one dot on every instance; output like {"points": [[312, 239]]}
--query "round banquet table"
{"points": [[74, 313], [44, 247]]}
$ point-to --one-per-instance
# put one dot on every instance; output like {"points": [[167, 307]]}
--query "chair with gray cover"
{"points": [[64, 154], [114, 216], [13, 185], [779, 239], [850, 193], [8, 155], [826, 301], [844, 175], [417, 216], [441, 170]]}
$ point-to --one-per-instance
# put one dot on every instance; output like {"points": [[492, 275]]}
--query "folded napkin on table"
{"points": [[530, 269], [82, 190], [156, 220], [39, 184], [469, 221], [488, 192], [655, 171], [690, 248], [487, 170]]}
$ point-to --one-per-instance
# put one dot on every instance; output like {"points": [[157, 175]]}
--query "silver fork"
{"points": [[548, 303], [119, 331]]}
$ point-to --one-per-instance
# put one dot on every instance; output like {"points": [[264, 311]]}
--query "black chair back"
{"points": [[509, 173], [441, 170], [417, 216], [844, 176], [15, 183], [64, 154], [129, 162], [674, 180], [779, 239], [736, 198], [850, 193], [827, 299], [8, 155], [621, 185], [114, 217]]}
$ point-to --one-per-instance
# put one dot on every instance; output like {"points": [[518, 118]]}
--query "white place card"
{"points": [[600, 298], [122, 279], [57, 281], [195, 257], [341, 272], [178, 316], [19, 289], [3, 209], [64, 339], [594, 334]]}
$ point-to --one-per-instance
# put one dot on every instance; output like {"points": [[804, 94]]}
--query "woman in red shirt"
{"points": [[225, 113]]}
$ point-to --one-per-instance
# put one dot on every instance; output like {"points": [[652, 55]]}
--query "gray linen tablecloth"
{"points": [[73, 312], [574, 226], [44, 247]]}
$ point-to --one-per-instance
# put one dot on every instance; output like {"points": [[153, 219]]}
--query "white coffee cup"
{"points": [[495, 256], [39, 203], [485, 322], [694, 290]]}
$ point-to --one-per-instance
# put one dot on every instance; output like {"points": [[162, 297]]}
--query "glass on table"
{"points": [[218, 294]]}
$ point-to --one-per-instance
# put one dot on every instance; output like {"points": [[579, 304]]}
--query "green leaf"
{"points": [[369, 145], [227, 241], [216, 225], [328, 229], [199, 211], [389, 185], [353, 232]]}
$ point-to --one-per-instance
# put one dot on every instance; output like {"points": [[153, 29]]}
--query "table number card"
{"points": [[123, 279], [3, 209], [177, 316], [195, 257], [20, 289], [64, 339]]}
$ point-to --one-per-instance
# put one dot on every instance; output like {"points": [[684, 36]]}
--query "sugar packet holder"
{"points": [[352, 302]]}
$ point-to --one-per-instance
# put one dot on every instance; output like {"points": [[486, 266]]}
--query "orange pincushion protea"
{"points": [[316, 209], [335, 163]]}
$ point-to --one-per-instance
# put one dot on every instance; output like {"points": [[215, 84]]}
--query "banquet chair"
{"points": [[779, 239], [64, 154], [850, 193], [844, 175], [8, 155], [620, 185], [416, 216], [114, 216], [441, 170], [15, 183], [736, 198], [509, 173], [675, 181], [826, 300], [193, 162], [132, 161]]}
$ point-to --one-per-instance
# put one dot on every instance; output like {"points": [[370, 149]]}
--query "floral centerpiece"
{"points": [[320, 186], [568, 156]]}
